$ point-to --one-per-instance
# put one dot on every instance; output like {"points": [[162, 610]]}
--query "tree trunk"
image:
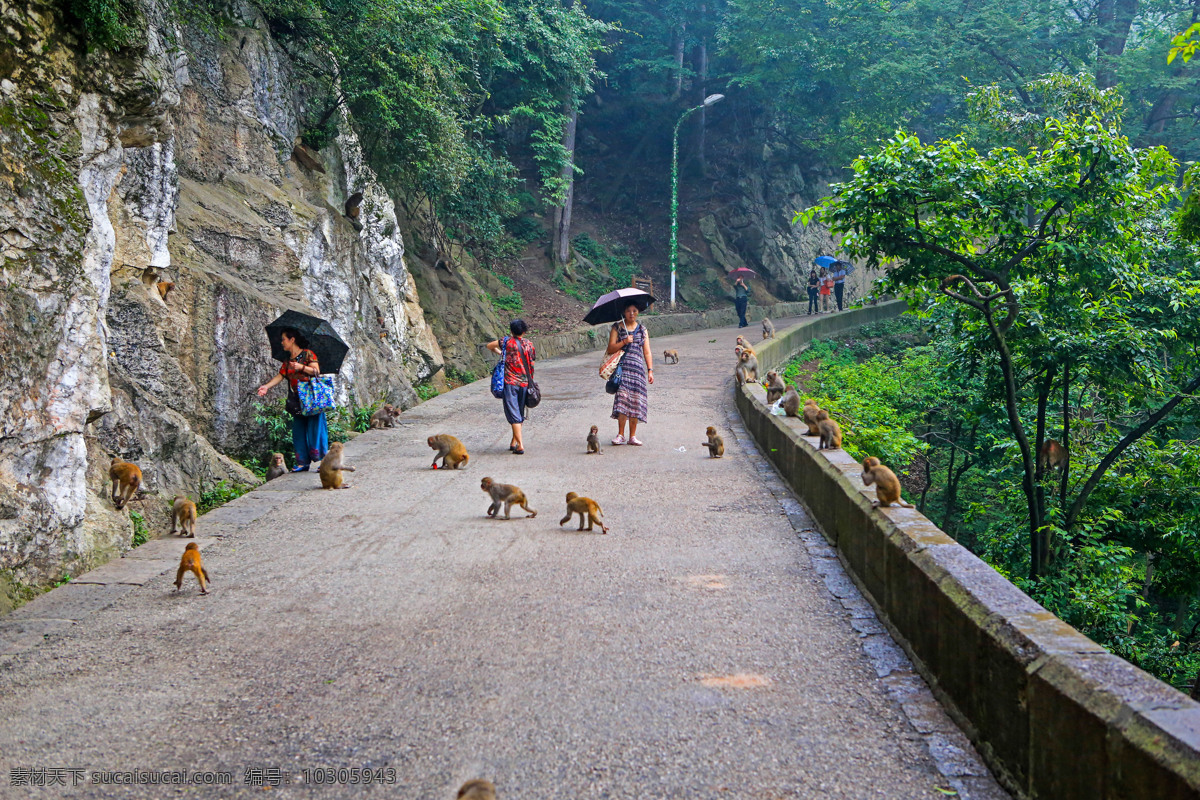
{"points": [[562, 217], [1114, 19], [1066, 440], [677, 46], [703, 81]]}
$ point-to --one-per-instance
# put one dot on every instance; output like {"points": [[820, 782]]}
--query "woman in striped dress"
{"points": [[637, 371]]}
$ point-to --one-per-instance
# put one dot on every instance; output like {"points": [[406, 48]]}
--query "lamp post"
{"points": [[712, 99]]}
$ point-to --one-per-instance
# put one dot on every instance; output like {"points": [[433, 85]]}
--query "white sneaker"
{"points": [[619, 440], [634, 440]]}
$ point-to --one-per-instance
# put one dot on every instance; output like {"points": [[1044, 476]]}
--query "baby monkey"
{"points": [[715, 444], [385, 417], [593, 441], [332, 468], [887, 485], [670, 356], [277, 467], [183, 512], [584, 506], [191, 563], [507, 494], [775, 386]]}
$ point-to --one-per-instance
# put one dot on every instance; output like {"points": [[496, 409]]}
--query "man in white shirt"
{"points": [[837, 271]]}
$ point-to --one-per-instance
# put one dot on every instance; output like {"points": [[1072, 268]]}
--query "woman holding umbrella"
{"points": [[310, 434], [637, 371]]}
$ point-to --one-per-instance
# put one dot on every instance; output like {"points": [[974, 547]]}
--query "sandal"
{"points": [[634, 441], [619, 440], [300, 468], [518, 452]]}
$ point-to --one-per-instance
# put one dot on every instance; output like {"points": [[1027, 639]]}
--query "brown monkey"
{"points": [[830, 432], [477, 789], [811, 410], [670, 356], [747, 367], [584, 506], [126, 478], [183, 512], [164, 289], [887, 485], [791, 401], [507, 494], [352, 204], [593, 441], [332, 468], [775, 386], [768, 329], [715, 444], [385, 417], [277, 467], [450, 450], [1052, 455], [191, 563], [745, 345]]}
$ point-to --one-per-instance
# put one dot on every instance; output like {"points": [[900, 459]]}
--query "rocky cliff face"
{"points": [[174, 161]]}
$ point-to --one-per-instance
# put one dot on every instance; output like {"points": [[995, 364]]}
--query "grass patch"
{"points": [[141, 531]]}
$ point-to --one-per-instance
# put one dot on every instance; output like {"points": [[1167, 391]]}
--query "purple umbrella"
{"points": [[611, 307]]}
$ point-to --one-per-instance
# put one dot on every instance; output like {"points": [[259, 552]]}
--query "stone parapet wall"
{"points": [[1054, 714]]}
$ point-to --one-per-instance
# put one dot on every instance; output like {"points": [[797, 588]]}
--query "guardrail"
{"points": [[1053, 713]]}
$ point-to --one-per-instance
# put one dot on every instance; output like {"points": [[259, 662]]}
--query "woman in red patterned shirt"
{"points": [[310, 433], [518, 364]]}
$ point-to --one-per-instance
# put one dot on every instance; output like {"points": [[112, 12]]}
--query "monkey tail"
{"points": [[210, 580]]}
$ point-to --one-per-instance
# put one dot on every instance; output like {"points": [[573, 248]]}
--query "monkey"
{"points": [[593, 441], [332, 468], [745, 345], [768, 329], [183, 512], [775, 386], [352, 204], [507, 494], [385, 417], [277, 467], [791, 401], [450, 450], [164, 289], [126, 478], [190, 562], [715, 444], [477, 789], [887, 485], [1052, 455], [584, 506], [670, 356], [747, 367], [831, 432], [811, 410]]}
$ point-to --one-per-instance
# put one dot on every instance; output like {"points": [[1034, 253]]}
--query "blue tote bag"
{"points": [[316, 395]]}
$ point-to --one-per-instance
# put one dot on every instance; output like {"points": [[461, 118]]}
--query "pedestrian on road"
{"points": [[826, 289], [637, 370], [518, 359], [310, 433], [741, 299], [838, 273], [814, 285]]}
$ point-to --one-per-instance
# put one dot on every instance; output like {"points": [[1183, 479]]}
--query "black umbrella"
{"points": [[611, 307], [319, 335]]}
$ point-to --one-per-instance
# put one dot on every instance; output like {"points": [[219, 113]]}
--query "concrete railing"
{"points": [[1053, 713]]}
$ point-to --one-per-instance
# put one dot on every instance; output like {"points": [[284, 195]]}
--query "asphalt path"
{"points": [[696, 651]]}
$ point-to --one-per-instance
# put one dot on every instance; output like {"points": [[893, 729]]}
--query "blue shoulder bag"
{"points": [[498, 371]]}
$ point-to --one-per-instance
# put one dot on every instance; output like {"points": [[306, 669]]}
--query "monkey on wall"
{"points": [[715, 444], [768, 329], [887, 485], [745, 345], [126, 478], [791, 401], [277, 468], [670, 356], [747, 367], [183, 513], [811, 410], [385, 417], [775, 386], [593, 441], [829, 431], [506, 494], [584, 506], [332, 468], [450, 450], [190, 562]]}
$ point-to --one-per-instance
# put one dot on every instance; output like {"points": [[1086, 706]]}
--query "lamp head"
{"points": [[713, 99]]}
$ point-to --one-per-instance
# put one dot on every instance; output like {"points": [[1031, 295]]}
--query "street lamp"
{"points": [[712, 99]]}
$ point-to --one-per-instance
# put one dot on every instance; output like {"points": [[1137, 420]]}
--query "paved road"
{"points": [[697, 651]]}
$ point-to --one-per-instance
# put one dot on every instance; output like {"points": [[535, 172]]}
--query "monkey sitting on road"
{"points": [[887, 485], [715, 444], [477, 789], [190, 562], [791, 401], [277, 467], [126, 478], [584, 506], [183, 512], [747, 367], [507, 494], [670, 356], [450, 450], [385, 417], [811, 410], [768, 329], [593, 441], [332, 468], [830, 432], [775, 386]]}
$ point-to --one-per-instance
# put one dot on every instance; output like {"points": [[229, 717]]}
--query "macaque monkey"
{"points": [[352, 210], [191, 563], [164, 289], [811, 410], [670, 356], [584, 506], [126, 478], [1052, 455], [768, 329], [183, 512], [715, 444], [887, 485], [745, 345], [593, 441], [332, 468], [747, 367], [450, 450], [829, 431], [277, 467], [385, 417], [775, 386], [477, 789], [507, 494], [791, 401]]}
